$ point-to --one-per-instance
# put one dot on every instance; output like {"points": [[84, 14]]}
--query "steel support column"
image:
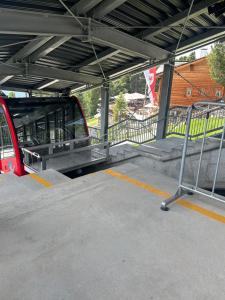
{"points": [[164, 102], [104, 111]]}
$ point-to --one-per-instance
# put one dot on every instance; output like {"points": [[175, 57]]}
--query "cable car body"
{"points": [[32, 123]]}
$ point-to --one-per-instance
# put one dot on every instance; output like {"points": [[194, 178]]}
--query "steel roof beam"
{"points": [[22, 88], [36, 23], [29, 48], [124, 42], [21, 54], [84, 6], [179, 18], [206, 37], [105, 8], [70, 76], [80, 8], [101, 57], [47, 72], [197, 9], [48, 47], [10, 70], [30, 23], [49, 43]]}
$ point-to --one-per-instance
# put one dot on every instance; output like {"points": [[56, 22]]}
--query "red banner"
{"points": [[150, 77]]}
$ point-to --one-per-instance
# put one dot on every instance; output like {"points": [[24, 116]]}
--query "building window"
{"points": [[189, 92], [202, 92], [218, 93]]}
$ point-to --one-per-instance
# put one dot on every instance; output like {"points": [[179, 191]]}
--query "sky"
{"points": [[198, 52], [18, 94]]}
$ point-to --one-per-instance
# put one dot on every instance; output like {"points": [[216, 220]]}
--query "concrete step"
{"points": [[164, 156], [12, 186], [171, 148], [122, 152], [162, 149], [21, 195], [12, 206], [108, 239]]}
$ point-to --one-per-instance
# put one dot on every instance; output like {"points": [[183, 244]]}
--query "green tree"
{"points": [[11, 95], [192, 57], [128, 84], [188, 58], [89, 101], [93, 98], [216, 61], [119, 109], [119, 86]]}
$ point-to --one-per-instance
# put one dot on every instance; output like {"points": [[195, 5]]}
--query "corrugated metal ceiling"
{"points": [[135, 17]]}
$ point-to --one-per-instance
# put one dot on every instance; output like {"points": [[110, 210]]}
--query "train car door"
{"points": [[7, 153]]}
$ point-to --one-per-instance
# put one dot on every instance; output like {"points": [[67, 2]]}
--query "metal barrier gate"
{"points": [[212, 111]]}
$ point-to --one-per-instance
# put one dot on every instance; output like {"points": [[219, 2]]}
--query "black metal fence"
{"points": [[142, 131]]}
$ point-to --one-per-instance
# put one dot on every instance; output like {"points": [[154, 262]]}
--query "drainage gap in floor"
{"points": [[218, 191], [85, 171]]}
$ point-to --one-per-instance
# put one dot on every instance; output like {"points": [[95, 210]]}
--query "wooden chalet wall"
{"points": [[197, 72]]}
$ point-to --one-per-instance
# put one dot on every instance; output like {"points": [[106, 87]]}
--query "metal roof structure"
{"points": [[55, 45]]}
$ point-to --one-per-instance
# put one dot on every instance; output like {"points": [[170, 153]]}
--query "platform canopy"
{"points": [[55, 45]]}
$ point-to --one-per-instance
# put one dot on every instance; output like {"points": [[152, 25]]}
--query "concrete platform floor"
{"points": [[103, 236]]}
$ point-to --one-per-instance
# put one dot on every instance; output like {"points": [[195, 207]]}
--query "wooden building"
{"points": [[202, 86]]}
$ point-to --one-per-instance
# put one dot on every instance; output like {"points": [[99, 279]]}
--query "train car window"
{"points": [[43, 121], [79, 124], [41, 131], [6, 145]]}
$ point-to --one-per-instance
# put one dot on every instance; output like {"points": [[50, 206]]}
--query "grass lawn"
{"points": [[197, 126], [93, 122]]}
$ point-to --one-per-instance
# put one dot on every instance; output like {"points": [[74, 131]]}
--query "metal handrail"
{"points": [[155, 115], [30, 152], [221, 104], [59, 143], [45, 157], [141, 131], [81, 149]]}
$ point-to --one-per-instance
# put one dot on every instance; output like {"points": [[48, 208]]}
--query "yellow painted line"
{"points": [[203, 211], [136, 182], [41, 180], [182, 202]]}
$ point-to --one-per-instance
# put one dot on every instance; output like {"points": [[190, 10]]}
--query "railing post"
{"points": [[104, 111], [127, 131], [43, 164], [50, 150], [165, 100], [107, 151]]}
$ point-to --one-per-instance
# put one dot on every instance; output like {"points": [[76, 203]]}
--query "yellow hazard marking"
{"points": [[201, 210], [136, 182], [182, 202], [41, 180]]}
